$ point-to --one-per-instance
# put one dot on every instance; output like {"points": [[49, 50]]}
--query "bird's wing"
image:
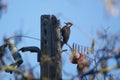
{"points": [[62, 29]]}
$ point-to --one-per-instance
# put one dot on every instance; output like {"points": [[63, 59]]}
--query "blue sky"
{"points": [[86, 15]]}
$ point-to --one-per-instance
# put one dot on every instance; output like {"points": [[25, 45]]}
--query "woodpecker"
{"points": [[65, 32]]}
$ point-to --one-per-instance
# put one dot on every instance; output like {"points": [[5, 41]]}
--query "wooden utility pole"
{"points": [[50, 60]]}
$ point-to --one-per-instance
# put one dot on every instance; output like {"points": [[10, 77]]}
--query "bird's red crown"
{"points": [[69, 23]]}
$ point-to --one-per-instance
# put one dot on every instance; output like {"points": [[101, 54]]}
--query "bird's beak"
{"points": [[65, 23]]}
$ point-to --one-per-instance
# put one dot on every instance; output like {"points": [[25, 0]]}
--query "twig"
{"points": [[10, 68], [104, 69], [105, 35], [96, 67], [69, 46], [64, 50]]}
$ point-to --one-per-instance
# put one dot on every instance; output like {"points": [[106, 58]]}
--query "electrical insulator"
{"points": [[15, 54]]}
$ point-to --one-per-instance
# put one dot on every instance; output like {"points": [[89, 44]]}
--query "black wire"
{"points": [[25, 37]]}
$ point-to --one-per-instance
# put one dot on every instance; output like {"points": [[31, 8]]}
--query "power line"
{"points": [[25, 37]]}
